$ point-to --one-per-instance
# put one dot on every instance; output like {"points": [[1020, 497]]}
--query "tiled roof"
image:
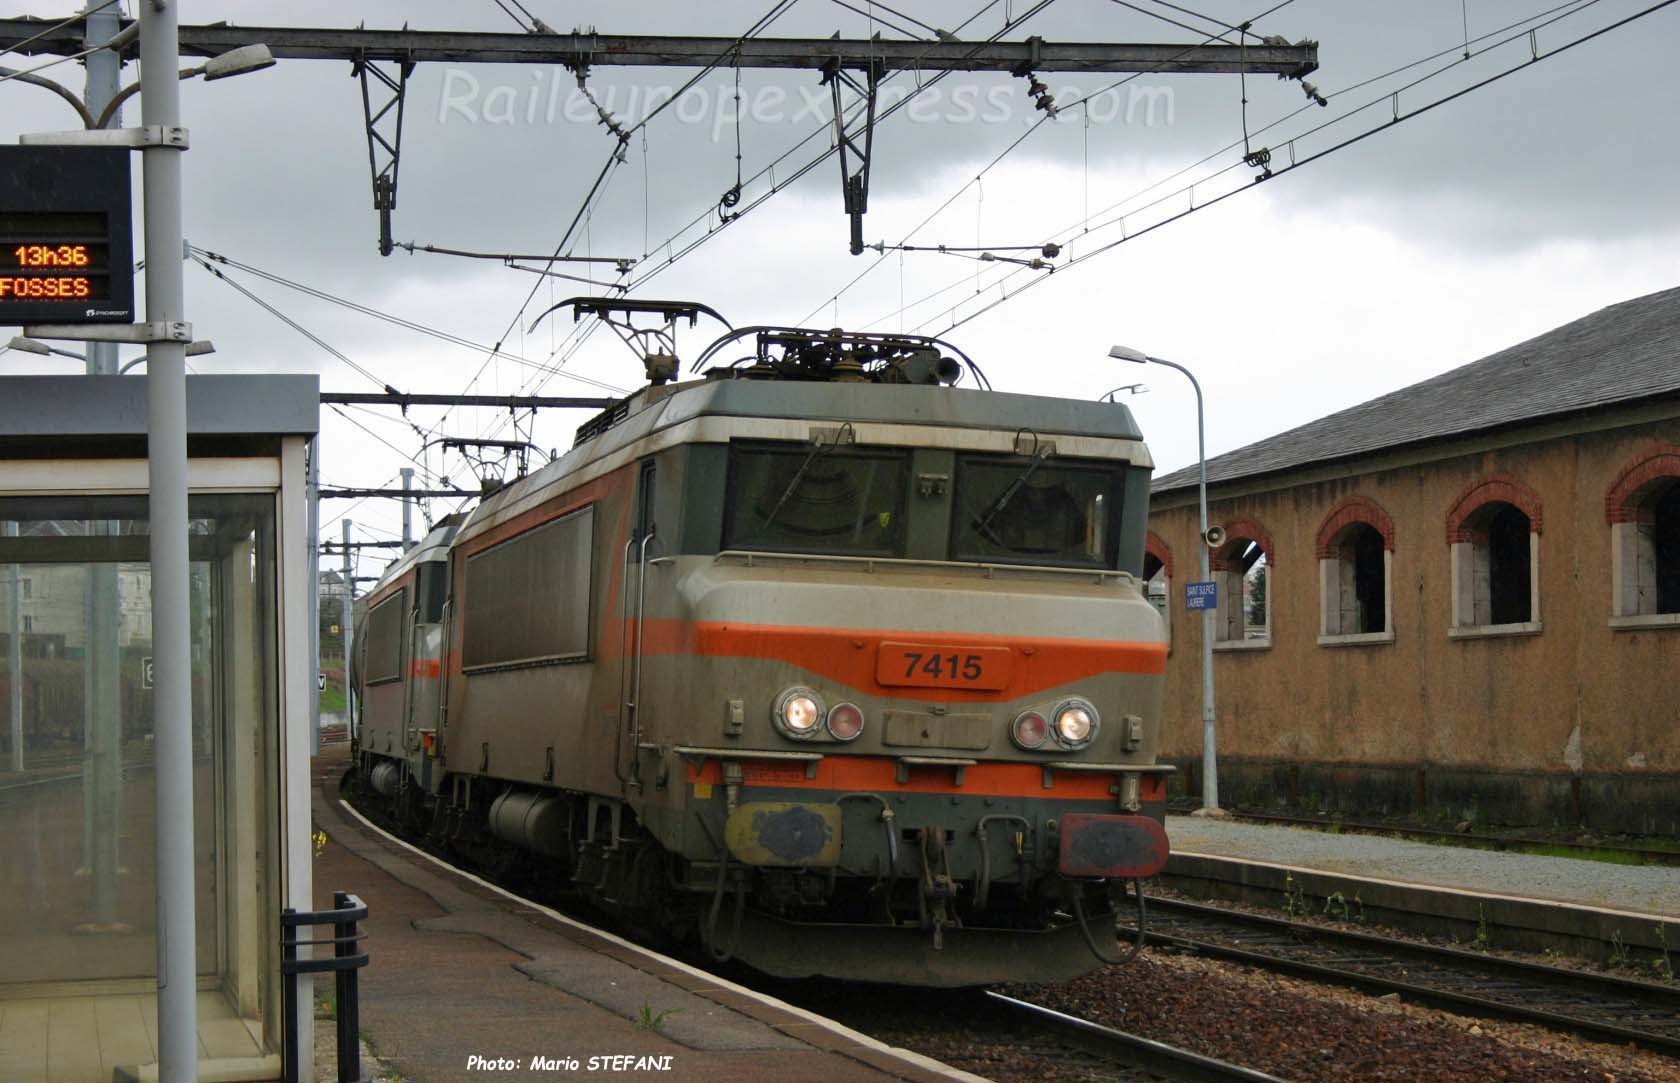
{"points": [[1625, 352]]}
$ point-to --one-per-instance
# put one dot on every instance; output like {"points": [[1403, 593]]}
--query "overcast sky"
{"points": [[1493, 218]]}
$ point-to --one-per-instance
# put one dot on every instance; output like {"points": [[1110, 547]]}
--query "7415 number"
{"points": [[960, 667]]}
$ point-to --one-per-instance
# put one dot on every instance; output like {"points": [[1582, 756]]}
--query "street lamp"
{"points": [[233, 62], [29, 345], [35, 346], [1210, 770]]}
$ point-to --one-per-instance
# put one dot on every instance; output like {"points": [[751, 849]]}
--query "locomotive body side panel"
{"points": [[385, 634], [545, 715]]}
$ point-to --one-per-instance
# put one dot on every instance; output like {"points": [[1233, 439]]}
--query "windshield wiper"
{"points": [[817, 451], [1008, 494]]}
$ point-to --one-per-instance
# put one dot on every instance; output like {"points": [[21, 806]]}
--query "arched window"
{"points": [[1242, 567], [1157, 578], [1355, 551], [1494, 532], [1643, 508]]}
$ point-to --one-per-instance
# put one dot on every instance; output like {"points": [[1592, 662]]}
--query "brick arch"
{"points": [[1156, 546], [1499, 487], [1354, 509], [1621, 502], [1243, 526]]}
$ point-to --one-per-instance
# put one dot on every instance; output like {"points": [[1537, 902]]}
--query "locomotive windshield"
{"points": [[816, 498], [1036, 510]]}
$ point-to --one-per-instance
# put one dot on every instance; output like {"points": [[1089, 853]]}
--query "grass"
{"points": [[648, 1019], [332, 698]]}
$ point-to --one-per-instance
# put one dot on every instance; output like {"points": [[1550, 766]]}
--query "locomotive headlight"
{"points": [[1076, 723], [799, 713]]}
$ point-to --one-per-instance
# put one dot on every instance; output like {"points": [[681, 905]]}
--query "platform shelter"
{"points": [[78, 945]]}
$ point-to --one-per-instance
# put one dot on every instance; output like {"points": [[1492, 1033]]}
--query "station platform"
{"points": [[1571, 905], [463, 975]]}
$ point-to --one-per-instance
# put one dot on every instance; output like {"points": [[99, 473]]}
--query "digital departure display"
{"points": [[54, 257], [65, 236]]}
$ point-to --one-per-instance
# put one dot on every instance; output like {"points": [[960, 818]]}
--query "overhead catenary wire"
{"points": [[673, 256], [425, 472], [1398, 117], [294, 325], [368, 310], [53, 29], [509, 12], [1000, 156], [1219, 36], [1084, 226], [348, 513], [874, 18], [895, 13], [578, 338], [622, 139], [1194, 14]]}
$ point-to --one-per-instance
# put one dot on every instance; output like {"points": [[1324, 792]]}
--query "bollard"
{"points": [[345, 917]]}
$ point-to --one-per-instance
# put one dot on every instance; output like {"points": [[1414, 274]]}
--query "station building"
{"points": [[1459, 601]]}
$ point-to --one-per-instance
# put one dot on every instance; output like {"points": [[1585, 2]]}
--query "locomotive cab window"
{"points": [[816, 498], [1017, 509]]}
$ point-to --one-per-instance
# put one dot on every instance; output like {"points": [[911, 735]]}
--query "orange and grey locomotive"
{"points": [[818, 658]]}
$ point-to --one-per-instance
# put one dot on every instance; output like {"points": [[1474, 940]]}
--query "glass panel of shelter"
{"points": [[77, 914]]}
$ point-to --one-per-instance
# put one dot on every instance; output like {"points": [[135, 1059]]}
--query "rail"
{"points": [[1157, 1058], [345, 917], [1597, 1006]]}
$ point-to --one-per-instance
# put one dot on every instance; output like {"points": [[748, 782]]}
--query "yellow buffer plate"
{"points": [[786, 833]]}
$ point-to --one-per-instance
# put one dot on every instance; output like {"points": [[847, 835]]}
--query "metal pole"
{"points": [[14, 661], [345, 621], [313, 496], [1210, 765], [166, 393], [104, 72], [407, 505], [102, 795]]}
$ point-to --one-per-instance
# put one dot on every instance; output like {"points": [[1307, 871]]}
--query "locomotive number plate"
{"points": [[927, 665]]}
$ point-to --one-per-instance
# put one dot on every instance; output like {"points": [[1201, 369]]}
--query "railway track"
{"points": [[1151, 1060], [1591, 1005], [1097, 1053]]}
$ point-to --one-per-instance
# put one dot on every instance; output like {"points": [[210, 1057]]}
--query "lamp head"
{"points": [[29, 345], [238, 61], [1126, 353]]}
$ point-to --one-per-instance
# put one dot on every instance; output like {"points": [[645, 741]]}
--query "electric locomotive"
{"points": [[819, 658]]}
